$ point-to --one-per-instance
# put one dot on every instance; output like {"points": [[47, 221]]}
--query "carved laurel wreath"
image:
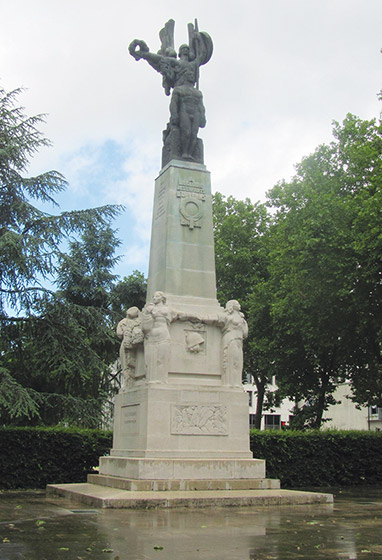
{"points": [[136, 52]]}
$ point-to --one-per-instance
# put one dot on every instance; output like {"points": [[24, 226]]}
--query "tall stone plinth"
{"points": [[181, 436], [191, 419], [182, 259]]}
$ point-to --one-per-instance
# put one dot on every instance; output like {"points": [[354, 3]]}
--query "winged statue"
{"points": [[180, 74], [165, 61]]}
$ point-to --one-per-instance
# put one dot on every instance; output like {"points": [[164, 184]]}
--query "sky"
{"points": [[280, 73]]}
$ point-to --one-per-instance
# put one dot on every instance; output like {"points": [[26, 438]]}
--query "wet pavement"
{"points": [[35, 527]]}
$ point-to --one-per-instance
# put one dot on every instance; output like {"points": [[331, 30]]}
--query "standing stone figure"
{"points": [[235, 329], [129, 330], [156, 318], [187, 114], [181, 74]]}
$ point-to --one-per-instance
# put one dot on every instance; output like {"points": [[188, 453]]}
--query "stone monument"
{"points": [[182, 412], [181, 417]]}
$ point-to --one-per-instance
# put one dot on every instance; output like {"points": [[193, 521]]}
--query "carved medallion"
{"points": [[191, 197]]}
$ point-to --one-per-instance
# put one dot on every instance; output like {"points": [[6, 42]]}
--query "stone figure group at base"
{"points": [[151, 328], [156, 319], [130, 331]]}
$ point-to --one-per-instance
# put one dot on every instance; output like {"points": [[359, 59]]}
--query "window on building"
{"points": [[252, 420], [375, 413], [250, 395], [272, 422]]}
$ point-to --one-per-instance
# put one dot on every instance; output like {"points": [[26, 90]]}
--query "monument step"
{"points": [[95, 495], [182, 468], [180, 485]]}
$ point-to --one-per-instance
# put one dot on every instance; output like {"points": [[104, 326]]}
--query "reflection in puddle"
{"points": [[35, 528]]}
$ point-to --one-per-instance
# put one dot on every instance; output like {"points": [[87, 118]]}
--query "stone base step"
{"points": [[181, 468], [180, 485], [105, 497]]}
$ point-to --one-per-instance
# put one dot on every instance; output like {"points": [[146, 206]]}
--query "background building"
{"points": [[342, 416]]}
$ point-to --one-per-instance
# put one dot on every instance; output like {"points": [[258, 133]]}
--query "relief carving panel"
{"points": [[196, 419]]}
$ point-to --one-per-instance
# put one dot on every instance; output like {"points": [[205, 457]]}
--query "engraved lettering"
{"points": [[161, 209], [129, 418], [188, 188]]}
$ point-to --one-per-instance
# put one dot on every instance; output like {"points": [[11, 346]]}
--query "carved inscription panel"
{"points": [[129, 419], [161, 201], [197, 419]]}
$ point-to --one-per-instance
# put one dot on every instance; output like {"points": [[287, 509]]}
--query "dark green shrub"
{"points": [[320, 458], [34, 457]]}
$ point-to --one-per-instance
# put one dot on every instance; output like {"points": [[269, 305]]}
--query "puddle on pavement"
{"points": [[33, 527]]}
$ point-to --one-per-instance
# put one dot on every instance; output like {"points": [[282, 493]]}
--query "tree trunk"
{"points": [[259, 403], [322, 398], [321, 402]]}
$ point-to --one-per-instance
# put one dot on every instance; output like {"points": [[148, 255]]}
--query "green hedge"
{"points": [[34, 457], [320, 458]]}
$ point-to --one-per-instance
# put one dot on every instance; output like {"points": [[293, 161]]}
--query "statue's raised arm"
{"points": [[165, 61]]}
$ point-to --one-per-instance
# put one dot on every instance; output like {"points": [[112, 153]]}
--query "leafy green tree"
{"points": [[77, 362], [128, 292], [85, 274], [326, 273], [31, 249], [240, 254], [241, 231], [309, 274], [360, 151]]}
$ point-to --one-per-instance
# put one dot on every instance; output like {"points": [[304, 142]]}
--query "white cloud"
{"points": [[134, 257], [280, 73]]}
